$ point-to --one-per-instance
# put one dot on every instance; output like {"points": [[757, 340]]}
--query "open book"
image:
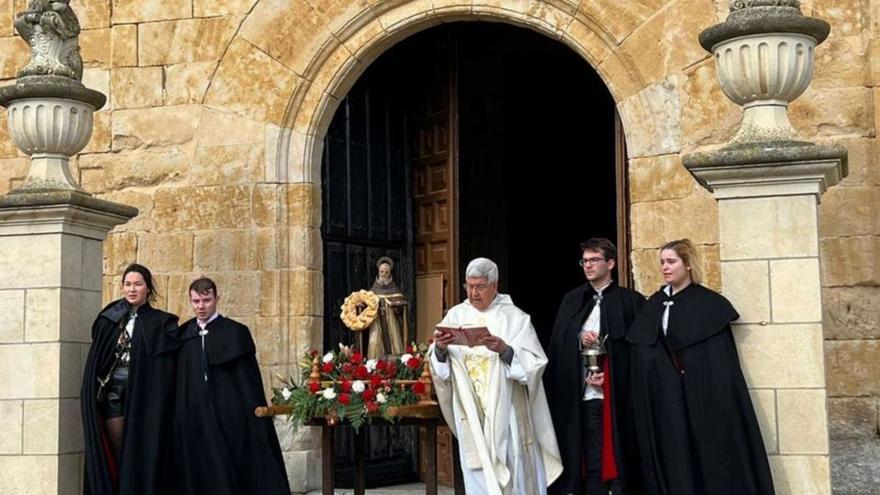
{"points": [[466, 335]]}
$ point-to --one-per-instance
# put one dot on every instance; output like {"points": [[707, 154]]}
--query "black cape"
{"points": [[222, 447], [146, 458], [697, 430], [564, 381]]}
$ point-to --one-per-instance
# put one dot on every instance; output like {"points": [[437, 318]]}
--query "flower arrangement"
{"points": [[344, 386]]}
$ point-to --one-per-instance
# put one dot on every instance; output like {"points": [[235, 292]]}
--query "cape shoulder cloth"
{"points": [[480, 389]]}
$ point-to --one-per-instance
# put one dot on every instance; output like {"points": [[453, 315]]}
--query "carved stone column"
{"points": [[768, 184], [51, 261]]}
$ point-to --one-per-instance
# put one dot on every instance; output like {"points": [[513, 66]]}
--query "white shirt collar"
{"points": [[209, 320]]}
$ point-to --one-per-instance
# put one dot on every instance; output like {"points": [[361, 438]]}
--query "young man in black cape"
{"points": [[591, 415], [222, 447], [697, 430], [127, 430]]}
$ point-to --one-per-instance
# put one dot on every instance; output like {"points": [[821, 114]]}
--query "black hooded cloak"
{"points": [[223, 448], [697, 429], [146, 458], [564, 382]]}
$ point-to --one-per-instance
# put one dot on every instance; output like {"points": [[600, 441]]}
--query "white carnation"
{"points": [[405, 358], [358, 386], [285, 392], [329, 393], [380, 398], [371, 365], [327, 357]]}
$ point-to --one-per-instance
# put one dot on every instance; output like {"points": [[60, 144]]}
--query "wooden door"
{"points": [[367, 214]]}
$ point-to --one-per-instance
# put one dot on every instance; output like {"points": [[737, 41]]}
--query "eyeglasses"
{"points": [[590, 261], [478, 287]]}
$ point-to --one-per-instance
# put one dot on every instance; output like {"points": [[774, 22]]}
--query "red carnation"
{"points": [[327, 368], [375, 380], [391, 370], [357, 358], [361, 372], [313, 352], [372, 407], [346, 368], [409, 349], [314, 387], [381, 365], [346, 386], [413, 363], [344, 399], [418, 388], [369, 394]]}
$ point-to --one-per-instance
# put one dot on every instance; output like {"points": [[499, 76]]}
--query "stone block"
{"points": [[801, 474], [664, 43], [851, 313], [120, 250], [99, 80], [93, 48], [12, 316], [249, 82], [132, 11], [406, 14], [306, 334], [849, 211], [188, 40], [123, 45], [842, 61], [11, 421], [764, 402], [796, 292], [694, 217], [100, 143], [41, 420], [92, 14], [271, 248], [166, 253], [290, 31], [7, 145], [140, 200], [270, 292], [70, 471], [803, 421], [830, 112], [225, 250], [155, 127], [620, 19], [29, 370], [71, 254], [136, 87], [850, 261], [6, 17], [14, 55], [659, 177], [11, 169], [30, 262], [303, 469], [141, 168], [307, 293], [33, 474], [43, 315], [781, 356], [747, 285], [306, 248], [586, 40], [92, 264], [268, 204], [215, 125], [187, 82], [70, 368], [212, 8], [271, 339], [852, 417], [707, 116], [227, 165], [652, 119], [209, 207], [848, 17], [861, 162], [787, 226], [853, 368]]}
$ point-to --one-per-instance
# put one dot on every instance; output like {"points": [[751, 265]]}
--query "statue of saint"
{"points": [[389, 331]]}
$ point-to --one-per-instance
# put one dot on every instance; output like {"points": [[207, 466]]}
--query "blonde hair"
{"points": [[685, 250]]}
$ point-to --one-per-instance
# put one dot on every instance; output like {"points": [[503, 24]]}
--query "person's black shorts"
{"points": [[114, 401]]}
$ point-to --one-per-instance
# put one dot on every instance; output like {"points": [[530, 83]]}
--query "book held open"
{"points": [[470, 336]]}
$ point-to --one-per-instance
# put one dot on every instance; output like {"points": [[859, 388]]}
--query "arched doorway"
{"points": [[470, 139]]}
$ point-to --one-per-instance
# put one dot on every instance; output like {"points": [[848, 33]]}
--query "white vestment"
{"points": [[498, 411]]}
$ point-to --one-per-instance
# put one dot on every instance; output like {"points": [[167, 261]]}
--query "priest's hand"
{"points": [[597, 379], [442, 339], [589, 338], [495, 343]]}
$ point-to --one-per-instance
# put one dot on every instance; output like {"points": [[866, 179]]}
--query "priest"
{"points": [[591, 412], [492, 395], [223, 448]]}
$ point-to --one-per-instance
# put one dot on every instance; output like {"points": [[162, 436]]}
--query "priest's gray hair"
{"points": [[482, 268]]}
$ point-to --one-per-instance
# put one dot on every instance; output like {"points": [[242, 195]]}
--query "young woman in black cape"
{"points": [[127, 394], [696, 427]]}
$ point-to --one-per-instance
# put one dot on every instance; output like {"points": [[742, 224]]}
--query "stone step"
{"points": [[855, 466], [408, 489]]}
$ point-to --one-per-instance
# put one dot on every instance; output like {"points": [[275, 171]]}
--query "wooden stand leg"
{"points": [[360, 472], [458, 479], [431, 459], [328, 484]]}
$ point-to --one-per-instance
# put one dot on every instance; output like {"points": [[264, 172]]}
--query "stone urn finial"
{"points": [[764, 57], [49, 110]]}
